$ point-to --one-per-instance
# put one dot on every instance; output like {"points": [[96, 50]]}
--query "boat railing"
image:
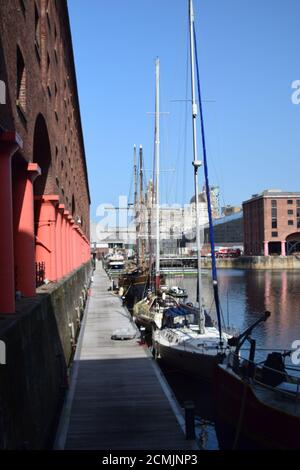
{"points": [[228, 329], [285, 382]]}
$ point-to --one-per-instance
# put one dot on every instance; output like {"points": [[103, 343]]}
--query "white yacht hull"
{"points": [[196, 364]]}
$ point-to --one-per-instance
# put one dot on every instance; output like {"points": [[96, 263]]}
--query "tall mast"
{"points": [[141, 214], [157, 145], [135, 200], [196, 163]]}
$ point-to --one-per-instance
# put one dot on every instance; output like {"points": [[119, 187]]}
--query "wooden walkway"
{"points": [[117, 398]]}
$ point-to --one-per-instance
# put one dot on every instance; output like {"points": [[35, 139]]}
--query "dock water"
{"points": [[118, 399]]}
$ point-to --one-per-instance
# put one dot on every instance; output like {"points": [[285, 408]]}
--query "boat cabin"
{"points": [[178, 317]]}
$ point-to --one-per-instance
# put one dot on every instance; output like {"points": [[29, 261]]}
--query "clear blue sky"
{"points": [[249, 56]]}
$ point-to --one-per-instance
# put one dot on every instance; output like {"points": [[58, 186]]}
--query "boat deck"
{"points": [[118, 399]]}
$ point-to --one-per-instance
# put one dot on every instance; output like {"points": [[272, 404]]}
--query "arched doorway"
{"points": [[46, 202], [293, 243]]}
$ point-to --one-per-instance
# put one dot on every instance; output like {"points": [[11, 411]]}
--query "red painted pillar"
{"points": [[72, 223], [70, 242], [58, 241], [81, 247], [46, 237], [61, 209], [75, 245], [87, 249], [10, 142], [67, 245], [24, 237], [78, 247], [84, 248]]}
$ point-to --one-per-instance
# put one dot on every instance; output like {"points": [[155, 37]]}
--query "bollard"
{"points": [[189, 409], [143, 334]]}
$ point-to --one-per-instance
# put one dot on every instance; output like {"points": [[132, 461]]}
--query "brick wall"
{"points": [[40, 30], [260, 212]]}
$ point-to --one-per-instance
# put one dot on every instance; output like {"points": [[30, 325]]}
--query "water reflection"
{"points": [[244, 296]]}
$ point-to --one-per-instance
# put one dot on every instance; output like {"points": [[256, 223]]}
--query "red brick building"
{"points": [[272, 223], [44, 190]]}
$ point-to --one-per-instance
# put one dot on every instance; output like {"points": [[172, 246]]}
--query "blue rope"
{"points": [[211, 230]]}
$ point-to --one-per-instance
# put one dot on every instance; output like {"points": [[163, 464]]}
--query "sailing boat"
{"points": [[257, 404], [136, 279], [187, 338], [149, 311]]}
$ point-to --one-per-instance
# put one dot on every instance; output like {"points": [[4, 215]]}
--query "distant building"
{"points": [[105, 239], [229, 210], [228, 231], [272, 223], [214, 200]]}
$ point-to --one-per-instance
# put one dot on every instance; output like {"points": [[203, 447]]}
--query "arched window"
{"points": [[21, 81]]}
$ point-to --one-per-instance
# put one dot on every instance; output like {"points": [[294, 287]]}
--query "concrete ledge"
{"points": [[255, 262]]}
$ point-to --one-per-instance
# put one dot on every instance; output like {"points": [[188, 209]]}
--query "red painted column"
{"points": [[78, 247], [283, 250], [24, 237], [72, 223], [67, 241], [84, 248], [46, 237], [61, 209], [87, 249], [70, 242], [81, 247], [10, 142], [75, 245], [266, 248], [58, 241]]}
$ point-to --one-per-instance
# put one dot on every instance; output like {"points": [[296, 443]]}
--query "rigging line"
{"points": [[182, 138], [212, 152], [186, 123], [222, 316], [173, 190], [164, 178], [219, 174], [168, 177], [178, 151], [168, 154], [211, 229]]}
